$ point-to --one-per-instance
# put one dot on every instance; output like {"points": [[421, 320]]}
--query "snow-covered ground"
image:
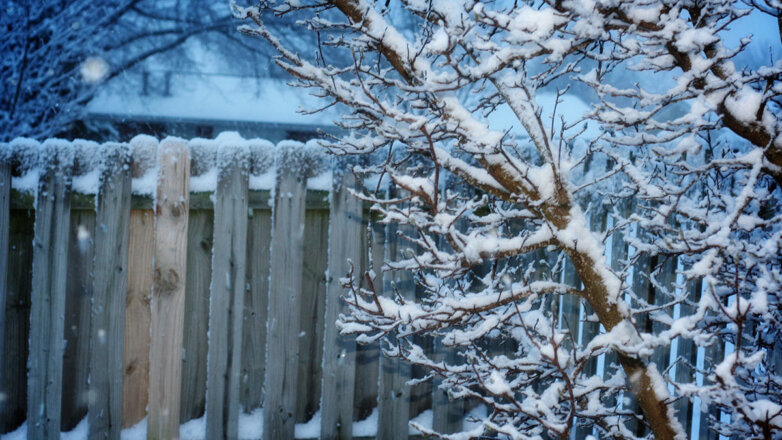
{"points": [[251, 427]]}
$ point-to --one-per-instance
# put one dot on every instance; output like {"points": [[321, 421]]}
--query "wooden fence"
{"points": [[179, 279], [205, 301]]}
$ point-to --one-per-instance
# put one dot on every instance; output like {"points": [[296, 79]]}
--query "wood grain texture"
{"points": [[313, 295], [200, 236], [168, 294], [78, 300], [282, 345], [5, 208], [393, 391], [17, 325], [226, 311], [255, 308], [110, 283], [47, 315], [339, 352], [141, 252]]}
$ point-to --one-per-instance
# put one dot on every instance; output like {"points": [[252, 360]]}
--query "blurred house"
{"points": [[202, 97]]}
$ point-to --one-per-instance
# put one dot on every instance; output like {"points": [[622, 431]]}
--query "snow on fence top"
{"points": [[262, 160]]}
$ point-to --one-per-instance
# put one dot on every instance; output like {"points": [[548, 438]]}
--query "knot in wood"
{"points": [[167, 283]]}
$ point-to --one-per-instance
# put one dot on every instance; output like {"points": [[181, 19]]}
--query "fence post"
{"points": [[226, 311], [339, 352], [282, 345], [47, 316], [109, 292], [5, 220], [168, 296]]}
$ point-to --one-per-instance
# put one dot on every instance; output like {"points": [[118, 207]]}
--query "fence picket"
{"points": [[47, 316], [226, 311], [78, 302], [282, 344], [141, 251], [393, 391], [107, 321], [5, 219], [368, 356], [200, 237], [255, 309], [339, 352], [168, 295]]}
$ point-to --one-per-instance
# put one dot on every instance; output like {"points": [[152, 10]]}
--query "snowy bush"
{"points": [[656, 206]]}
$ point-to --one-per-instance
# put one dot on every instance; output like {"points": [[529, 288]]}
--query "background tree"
{"points": [[57, 54], [683, 276]]}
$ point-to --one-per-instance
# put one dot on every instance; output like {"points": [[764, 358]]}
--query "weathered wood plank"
{"points": [[227, 299], [282, 345], [5, 208], [687, 352], [141, 252], [168, 294], [200, 236], [447, 414], [313, 295], [393, 391], [17, 325], [339, 352], [47, 316], [368, 356], [78, 300], [255, 309], [110, 283]]}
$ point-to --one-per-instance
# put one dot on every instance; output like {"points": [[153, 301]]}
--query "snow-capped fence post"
{"points": [[168, 296], [282, 345], [5, 218], [110, 270], [227, 293], [141, 252], [339, 352], [50, 267]]}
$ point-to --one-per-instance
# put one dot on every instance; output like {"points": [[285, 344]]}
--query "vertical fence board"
{"points": [[5, 208], [47, 315], [226, 311], [368, 356], [141, 251], [17, 324], [393, 391], [200, 237], [447, 414], [641, 287], [78, 300], [110, 282], [255, 308], [687, 352], [282, 343], [168, 301], [339, 352], [313, 294]]}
